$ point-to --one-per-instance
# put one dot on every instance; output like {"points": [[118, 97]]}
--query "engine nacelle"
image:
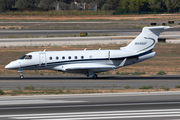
{"points": [[144, 57]]}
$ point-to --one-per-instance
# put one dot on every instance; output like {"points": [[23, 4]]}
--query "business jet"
{"points": [[90, 62]]}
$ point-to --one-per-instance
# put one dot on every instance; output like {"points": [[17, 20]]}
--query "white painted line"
{"points": [[114, 117], [19, 102], [96, 112], [96, 115], [92, 95], [97, 105]]}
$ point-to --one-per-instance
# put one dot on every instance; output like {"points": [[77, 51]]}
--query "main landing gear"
{"points": [[92, 75], [95, 76], [21, 74]]}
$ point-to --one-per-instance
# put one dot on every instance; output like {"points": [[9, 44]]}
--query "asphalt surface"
{"points": [[116, 106], [81, 81], [62, 32]]}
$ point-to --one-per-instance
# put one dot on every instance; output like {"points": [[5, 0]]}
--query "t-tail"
{"points": [[143, 44], [146, 40]]}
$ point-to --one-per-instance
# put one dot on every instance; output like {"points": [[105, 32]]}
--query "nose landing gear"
{"points": [[21, 74]]}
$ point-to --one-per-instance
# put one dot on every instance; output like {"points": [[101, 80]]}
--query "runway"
{"points": [[81, 81], [77, 40], [122, 36], [113, 106], [125, 31]]}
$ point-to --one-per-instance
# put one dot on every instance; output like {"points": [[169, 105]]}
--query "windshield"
{"points": [[22, 57]]}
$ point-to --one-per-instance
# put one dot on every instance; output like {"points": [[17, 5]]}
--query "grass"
{"points": [[31, 90], [161, 73], [165, 87], [127, 73], [1, 92], [177, 86], [29, 87], [138, 73], [74, 15], [58, 13], [146, 87], [127, 87]]}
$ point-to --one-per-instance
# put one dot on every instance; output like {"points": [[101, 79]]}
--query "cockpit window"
{"points": [[28, 57], [23, 57]]}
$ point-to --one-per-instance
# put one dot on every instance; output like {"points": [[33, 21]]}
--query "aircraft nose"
{"points": [[12, 65], [8, 66]]}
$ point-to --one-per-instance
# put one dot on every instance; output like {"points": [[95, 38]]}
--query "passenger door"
{"points": [[42, 60]]}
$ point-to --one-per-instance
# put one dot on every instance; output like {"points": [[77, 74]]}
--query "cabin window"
{"points": [[82, 57], [75, 57], [69, 57], [50, 58], [28, 57], [63, 57], [90, 56], [23, 57], [57, 58]]}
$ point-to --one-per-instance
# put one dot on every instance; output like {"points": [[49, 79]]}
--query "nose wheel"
{"points": [[21, 74]]}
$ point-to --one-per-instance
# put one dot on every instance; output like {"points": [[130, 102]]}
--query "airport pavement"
{"points": [[110, 106], [122, 36], [81, 81], [124, 31], [61, 41]]}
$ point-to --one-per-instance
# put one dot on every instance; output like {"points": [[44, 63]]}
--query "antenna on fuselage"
{"points": [[99, 48], [85, 49], [44, 50]]}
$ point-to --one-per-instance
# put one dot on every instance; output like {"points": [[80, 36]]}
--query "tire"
{"points": [[95, 76], [21, 76]]}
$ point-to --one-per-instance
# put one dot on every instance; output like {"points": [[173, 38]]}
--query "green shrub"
{"points": [[127, 87], [161, 73], [125, 73], [1, 92], [146, 87], [165, 88], [117, 73], [177, 86], [60, 91], [138, 73], [11, 28], [29, 87]]}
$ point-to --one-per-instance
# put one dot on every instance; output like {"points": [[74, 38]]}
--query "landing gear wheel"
{"points": [[21, 76], [95, 76]]}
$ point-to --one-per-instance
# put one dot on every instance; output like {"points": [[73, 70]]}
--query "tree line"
{"points": [[119, 6]]}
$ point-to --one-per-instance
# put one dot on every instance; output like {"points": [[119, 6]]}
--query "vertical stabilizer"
{"points": [[146, 40]]}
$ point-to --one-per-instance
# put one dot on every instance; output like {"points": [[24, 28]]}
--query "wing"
{"points": [[83, 68]]}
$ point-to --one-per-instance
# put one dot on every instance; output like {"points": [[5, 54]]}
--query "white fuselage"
{"points": [[78, 61]]}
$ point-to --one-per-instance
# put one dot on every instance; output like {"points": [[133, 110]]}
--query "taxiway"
{"points": [[112, 106], [81, 81]]}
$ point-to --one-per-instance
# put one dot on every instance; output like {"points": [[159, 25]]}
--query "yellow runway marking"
{"points": [[146, 75]]}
